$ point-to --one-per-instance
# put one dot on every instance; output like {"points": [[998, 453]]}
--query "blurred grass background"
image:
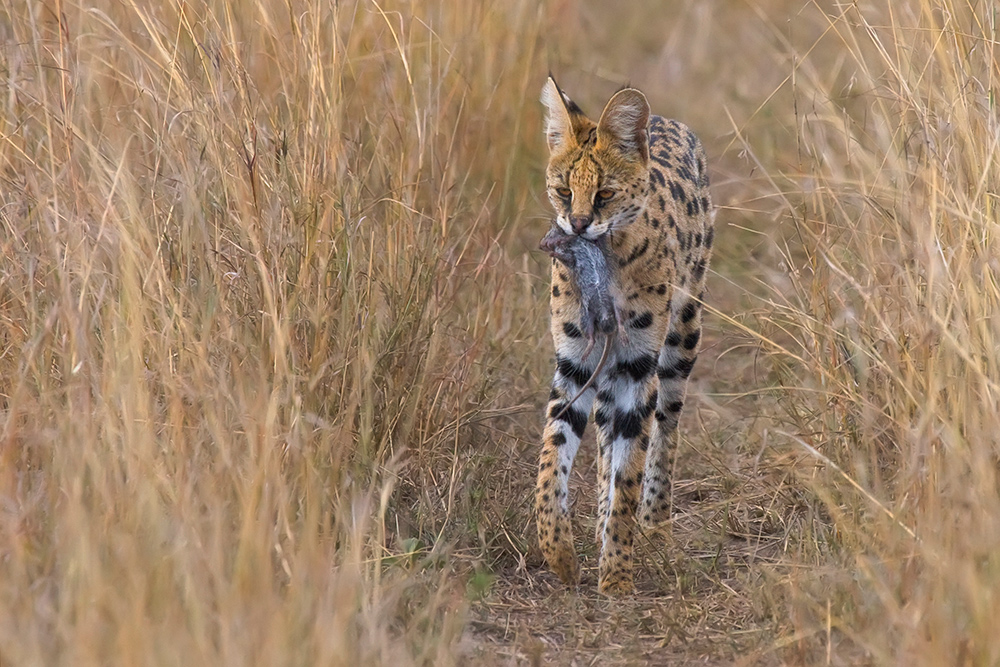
{"points": [[273, 333]]}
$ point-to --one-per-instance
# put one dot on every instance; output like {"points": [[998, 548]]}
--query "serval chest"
{"points": [[636, 185]]}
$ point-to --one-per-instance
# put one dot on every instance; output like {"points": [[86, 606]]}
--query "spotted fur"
{"points": [[641, 181]]}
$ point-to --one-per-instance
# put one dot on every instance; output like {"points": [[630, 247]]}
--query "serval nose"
{"points": [[579, 223]]}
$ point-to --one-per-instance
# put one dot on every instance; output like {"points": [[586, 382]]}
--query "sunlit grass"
{"points": [[273, 339], [243, 333], [893, 309]]}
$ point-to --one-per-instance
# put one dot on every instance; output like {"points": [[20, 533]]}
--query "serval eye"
{"points": [[605, 195], [565, 193]]}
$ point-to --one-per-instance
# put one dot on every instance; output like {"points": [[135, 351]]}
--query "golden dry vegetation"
{"points": [[273, 334]]}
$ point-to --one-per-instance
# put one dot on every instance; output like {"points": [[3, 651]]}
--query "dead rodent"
{"points": [[588, 264]]}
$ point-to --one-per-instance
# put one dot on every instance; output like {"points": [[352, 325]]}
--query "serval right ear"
{"points": [[624, 125], [563, 118]]}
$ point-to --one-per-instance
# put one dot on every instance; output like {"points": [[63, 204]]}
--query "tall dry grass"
{"points": [[889, 324], [254, 308], [271, 351]]}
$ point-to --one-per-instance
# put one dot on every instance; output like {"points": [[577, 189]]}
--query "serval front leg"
{"points": [[625, 402], [564, 428]]}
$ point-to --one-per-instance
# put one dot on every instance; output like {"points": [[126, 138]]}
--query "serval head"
{"points": [[598, 173]]}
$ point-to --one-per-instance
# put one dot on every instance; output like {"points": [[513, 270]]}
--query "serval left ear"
{"points": [[624, 125], [563, 118]]}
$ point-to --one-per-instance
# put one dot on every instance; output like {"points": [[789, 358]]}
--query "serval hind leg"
{"points": [[676, 360]]}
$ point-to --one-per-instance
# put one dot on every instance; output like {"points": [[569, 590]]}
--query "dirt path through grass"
{"points": [[703, 587]]}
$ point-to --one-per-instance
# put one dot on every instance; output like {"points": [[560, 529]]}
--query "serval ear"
{"points": [[624, 125], [563, 118]]}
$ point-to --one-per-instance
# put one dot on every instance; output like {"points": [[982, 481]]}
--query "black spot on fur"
{"points": [[699, 270], [571, 330], [666, 373], [555, 290], [559, 439], [642, 321], [673, 339], [577, 419], [691, 340], [677, 192], [684, 366], [628, 424], [626, 482], [675, 406], [636, 253], [662, 158], [689, 311], [638, 368], [571, 371]]}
